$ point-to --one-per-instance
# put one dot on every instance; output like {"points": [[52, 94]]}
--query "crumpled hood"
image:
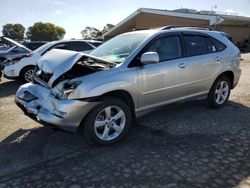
{"points": [[57, 62]]}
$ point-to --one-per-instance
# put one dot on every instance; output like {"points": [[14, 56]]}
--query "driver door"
{"points": [[165, 81]]}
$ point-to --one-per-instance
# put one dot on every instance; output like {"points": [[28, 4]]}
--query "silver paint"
{"points": [[150, 85]]}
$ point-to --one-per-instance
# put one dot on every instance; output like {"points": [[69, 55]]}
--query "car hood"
{"points": [[17, 44], [57, 62]]}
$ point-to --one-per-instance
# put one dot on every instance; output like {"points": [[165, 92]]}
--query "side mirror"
{"points": [[150, 58]]}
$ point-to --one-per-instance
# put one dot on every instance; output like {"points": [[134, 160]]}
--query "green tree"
{"points": [[107, 27], [91, 33], [45, 32], [14, 31]]}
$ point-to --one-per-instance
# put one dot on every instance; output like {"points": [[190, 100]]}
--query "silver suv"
{"points": [[101, 93]]}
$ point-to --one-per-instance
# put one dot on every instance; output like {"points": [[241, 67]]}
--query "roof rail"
{"points": [[183, 27]]}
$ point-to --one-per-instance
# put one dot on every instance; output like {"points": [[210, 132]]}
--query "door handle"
{"points": [[183, 65], [218, 58]]}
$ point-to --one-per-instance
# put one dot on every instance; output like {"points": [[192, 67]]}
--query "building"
{"points": [[237, 26]]}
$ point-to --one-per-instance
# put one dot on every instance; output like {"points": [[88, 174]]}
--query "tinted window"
{"points": [[167, 47], [195, 45], [34, 46], [79, 46], [219, 45], [210, 46]]}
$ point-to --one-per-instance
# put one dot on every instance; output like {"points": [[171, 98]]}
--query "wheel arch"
{"points": [[228, 74], [25, 67], [123, 95]]}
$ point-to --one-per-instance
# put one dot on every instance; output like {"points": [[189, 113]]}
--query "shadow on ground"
{"points": [[9, 88], [184, 145]]}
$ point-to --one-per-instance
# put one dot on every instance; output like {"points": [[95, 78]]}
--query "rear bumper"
{"points": [[36, 100]]}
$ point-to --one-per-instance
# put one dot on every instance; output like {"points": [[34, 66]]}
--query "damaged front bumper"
{"points": [[37, 100]]}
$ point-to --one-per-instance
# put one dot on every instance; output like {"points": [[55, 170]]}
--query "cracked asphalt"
{"points": [[182, 145]]}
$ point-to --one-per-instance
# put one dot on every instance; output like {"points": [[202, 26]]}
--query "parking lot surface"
{"points": [[185, 144]]}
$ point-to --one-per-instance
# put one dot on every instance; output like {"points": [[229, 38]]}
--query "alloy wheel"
{"points": [[109, 123], [221, 92], [29, 75]]}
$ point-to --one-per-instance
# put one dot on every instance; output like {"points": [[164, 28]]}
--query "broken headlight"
{"points": [[63, 89]]}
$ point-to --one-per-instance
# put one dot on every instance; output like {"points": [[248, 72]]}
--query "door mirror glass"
{"points": [[150, 58]]}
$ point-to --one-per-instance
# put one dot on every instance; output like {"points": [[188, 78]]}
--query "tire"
{"points": [[25, 74], [115, 127], [219, 92]]}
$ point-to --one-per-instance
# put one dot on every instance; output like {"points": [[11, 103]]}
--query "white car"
{"points": [[23, 67]]}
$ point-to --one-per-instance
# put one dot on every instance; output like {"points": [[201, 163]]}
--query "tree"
{"points": [[91, 33], [45, 32], [107, 27], [14, 31]]}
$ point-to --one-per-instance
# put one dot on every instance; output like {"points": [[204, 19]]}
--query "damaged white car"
{"points": [[100, 93]]}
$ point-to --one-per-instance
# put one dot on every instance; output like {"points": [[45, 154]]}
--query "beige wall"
{"points": [[144, 21], [238, 33]]}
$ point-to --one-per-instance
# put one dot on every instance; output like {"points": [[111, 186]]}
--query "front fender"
{"points": [[98, 90]]}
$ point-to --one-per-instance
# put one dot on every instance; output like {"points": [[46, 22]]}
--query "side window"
{"points": [[168, 47], [79, 46], [210, 46], [195, 45], [219, 45]]}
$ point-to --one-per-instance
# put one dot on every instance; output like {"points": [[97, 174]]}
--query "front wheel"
{"points": [[219, 93], [108, 122], [27, 74]]}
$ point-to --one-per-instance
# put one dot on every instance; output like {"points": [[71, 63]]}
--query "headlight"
{"points": [[63, 89]]}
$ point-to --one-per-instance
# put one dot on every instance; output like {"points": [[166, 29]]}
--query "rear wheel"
{"points": [[27, 74], [108, 122], [219, 93]]}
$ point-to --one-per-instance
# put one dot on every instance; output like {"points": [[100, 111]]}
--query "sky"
{"points": [[75, 15]]}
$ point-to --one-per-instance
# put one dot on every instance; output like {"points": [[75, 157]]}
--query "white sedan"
{"points": [[23, 67]]}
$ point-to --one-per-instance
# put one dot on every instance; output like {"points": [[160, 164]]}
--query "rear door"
{"points": [[204, 62], [164, 81]]}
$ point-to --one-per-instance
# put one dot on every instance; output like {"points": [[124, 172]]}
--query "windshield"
{"points": [[119, 48], [42, 48]]}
